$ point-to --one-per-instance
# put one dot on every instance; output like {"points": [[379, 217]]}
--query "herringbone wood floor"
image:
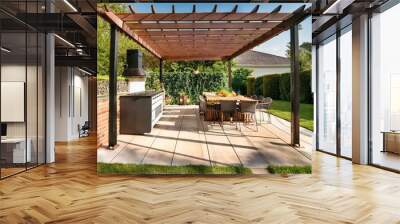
{"points": [[71, 192]]}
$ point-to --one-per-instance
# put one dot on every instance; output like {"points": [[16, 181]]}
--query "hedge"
{"points": [[269, 84], [284, 86], [251, 86], [259, 86], [277, 86], [191, 84]]}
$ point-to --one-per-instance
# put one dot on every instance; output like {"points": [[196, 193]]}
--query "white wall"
{"points": [[71, 102], [266, 70], [15, 73], [33, 126]]}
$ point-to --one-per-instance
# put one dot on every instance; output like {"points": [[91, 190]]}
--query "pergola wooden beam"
{"points": [[112, 88], [204, 16], [113, 19], [155, 26], [131, 9], [298, 15], [194, 35], [295, 85]]}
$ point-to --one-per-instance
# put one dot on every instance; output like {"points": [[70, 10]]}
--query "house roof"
{"points": [[256, 58]]}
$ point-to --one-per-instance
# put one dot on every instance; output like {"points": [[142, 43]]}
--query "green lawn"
{"points": [[289, 169], [142, 169], [281, 109]]}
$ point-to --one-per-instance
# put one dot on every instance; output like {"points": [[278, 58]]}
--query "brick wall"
{"points": [[102, 120]]}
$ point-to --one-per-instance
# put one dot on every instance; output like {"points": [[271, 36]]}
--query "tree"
{"points": [[304, 55], [239, 80]]}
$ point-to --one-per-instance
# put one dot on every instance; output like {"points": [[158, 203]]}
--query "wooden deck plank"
{"points": [[189, 149], [220, 149], [248, 154], [274, 149]]}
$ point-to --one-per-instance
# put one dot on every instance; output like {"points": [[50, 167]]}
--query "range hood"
{"points": [[134, 61]]}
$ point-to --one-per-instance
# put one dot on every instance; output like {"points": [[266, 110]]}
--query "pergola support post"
{"points": [[112, 115], [230, 73], [295, 85], [161, 71]]}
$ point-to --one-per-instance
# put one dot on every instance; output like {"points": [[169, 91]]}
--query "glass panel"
{"points": [[31, 97], [41, 99], [385, 84], [306, 97], [327, 95], [14, 153], [346, 92]]}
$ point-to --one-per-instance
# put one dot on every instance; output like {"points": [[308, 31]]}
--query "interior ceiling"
{"points": [[202, 35], [75, 25]]}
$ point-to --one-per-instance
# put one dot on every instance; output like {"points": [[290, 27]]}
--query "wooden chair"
{"points": [[212, 112]]}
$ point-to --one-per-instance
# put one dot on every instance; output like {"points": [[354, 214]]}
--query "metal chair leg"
{"points": [[256, 122]]}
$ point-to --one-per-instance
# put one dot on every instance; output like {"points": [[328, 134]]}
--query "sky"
{"points": [[277, 45]]}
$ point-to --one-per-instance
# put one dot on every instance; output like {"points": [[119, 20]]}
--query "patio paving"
{"points": [[181, 137]]}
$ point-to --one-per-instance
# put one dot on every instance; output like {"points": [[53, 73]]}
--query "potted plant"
{"points": [[183, 98]]}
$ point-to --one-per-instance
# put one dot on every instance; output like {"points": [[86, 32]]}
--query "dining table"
{"points": [[217, 99], [213, 101]]}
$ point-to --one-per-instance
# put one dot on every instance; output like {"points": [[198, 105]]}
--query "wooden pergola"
{"points": [[209, 35]]}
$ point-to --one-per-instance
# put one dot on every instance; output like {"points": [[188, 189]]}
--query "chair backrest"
{"points": [[201, 100], [248, 107], [228, 105], [86, 125], [267, 100], [202, 103]]}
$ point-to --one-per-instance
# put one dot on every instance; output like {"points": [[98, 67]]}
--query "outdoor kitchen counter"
{"points": [[140, 111]]}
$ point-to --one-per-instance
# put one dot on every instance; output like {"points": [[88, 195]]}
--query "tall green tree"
{"points": [[239, 80], [304, 55]]}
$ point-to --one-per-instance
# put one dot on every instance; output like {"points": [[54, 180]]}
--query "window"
{"points": [[385, 89], [346, 92], [326, 98]]}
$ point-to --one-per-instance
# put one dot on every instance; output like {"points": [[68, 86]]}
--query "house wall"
{"points": [[266, 70]]}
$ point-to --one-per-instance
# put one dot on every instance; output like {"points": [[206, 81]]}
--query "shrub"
{"points": [[153, 81], [278, 86], [259, 86], [284, 86], [271, 86], [192, 84], [239, 80], [251, 86], [306, 95]]}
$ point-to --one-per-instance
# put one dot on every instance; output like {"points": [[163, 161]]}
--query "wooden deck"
{"points": [[181, 137]]}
